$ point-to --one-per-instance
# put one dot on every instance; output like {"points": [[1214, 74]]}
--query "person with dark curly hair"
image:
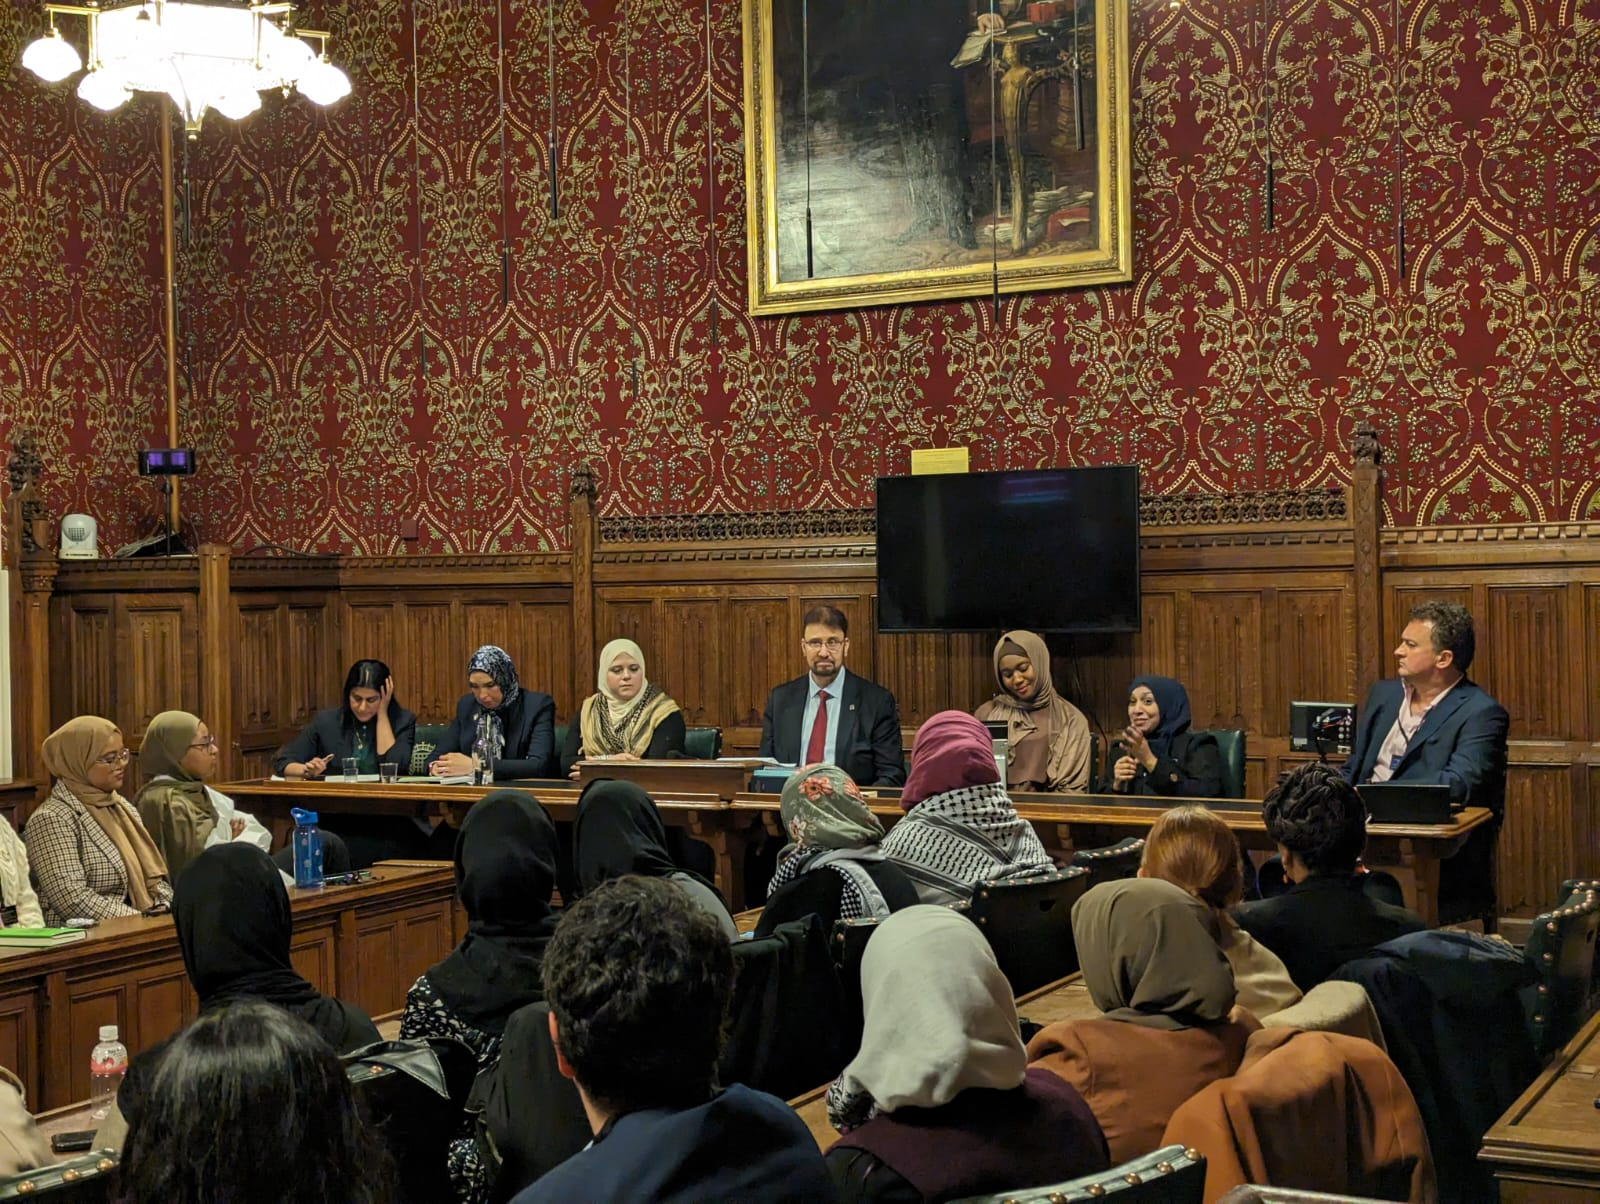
{"points": [[638, 979], [1325, 918]]}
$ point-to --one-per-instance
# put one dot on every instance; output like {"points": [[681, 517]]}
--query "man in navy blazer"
{"points": [[1433, 725], [860, 723]]}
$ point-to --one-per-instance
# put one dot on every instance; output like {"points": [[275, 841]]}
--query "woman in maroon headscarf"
{"points": [[960, 827]]}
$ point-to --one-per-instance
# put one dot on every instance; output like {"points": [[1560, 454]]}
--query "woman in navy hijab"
{"points": [[1159, 754]]}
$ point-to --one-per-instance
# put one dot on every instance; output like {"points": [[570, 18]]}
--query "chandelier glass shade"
{"points": [[205, 54]]}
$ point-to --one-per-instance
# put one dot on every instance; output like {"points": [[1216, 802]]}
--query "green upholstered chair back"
{"points": [[702, 743], [1170, 1175], [1230, 744], [1113, 861], [1561, 947], [428, 737], [561, 738], [81, 1179]]}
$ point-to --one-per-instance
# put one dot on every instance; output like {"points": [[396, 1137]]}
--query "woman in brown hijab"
{"points": [[1048, 736], [89, 853]]}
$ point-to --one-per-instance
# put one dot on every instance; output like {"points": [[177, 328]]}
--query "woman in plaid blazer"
{"points": [[89, 853]]}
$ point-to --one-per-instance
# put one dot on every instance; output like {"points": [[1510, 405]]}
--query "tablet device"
{"points": [[1407, 803]]}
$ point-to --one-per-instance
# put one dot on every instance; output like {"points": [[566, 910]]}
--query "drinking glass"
{"points": [[352, 769], [389, 771]]}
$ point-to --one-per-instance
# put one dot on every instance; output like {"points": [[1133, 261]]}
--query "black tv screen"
{"points": [[1049, 550]]}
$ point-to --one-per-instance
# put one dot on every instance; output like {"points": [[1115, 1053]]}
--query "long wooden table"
{"points": [[728, 824], [365, 943], [1064, 999], [1546, 1148]]}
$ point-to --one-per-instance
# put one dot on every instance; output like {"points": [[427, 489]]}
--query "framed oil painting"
{"points": [[903, 151]]}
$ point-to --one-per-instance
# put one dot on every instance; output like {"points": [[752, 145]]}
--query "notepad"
{"points": [[40, 938]]}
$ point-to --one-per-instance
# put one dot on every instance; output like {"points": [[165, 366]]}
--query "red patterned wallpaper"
{"points": [[1240, 356]]}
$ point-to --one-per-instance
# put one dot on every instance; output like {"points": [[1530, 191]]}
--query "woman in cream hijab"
{"points": [[629, 719], [1048, 737], [940, 1102], [183, 815], [90, 854]]}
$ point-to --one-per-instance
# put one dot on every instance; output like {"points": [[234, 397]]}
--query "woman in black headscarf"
{"points": [[516, 725], [1158, 752], [619, 831], [505, 870], [234, 928]]}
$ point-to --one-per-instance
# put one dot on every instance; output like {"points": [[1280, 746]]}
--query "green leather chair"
{"points": [[1230, 743], [428, 737], [702, 743]]}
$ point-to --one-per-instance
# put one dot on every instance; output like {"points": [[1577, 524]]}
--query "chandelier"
{"points": [[205, 54]]}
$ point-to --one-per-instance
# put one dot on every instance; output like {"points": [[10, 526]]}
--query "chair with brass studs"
{"points": [[1251, 1193], [1567, 887], [1170, 1175], [84, 1179], [1113, 861], [1028, 924], [1561, 947]]}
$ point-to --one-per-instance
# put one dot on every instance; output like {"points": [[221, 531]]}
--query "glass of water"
{"points": [[352, 769]]}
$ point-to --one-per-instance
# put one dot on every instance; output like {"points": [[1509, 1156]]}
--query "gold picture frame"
{"points": [[885, 142]]}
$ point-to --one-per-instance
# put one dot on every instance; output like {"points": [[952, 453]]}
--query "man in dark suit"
{"points": [[831, 715], [1325, 918], [1432, 725]]}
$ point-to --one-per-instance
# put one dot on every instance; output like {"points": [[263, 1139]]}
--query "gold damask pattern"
{"points": [[382, 318]]}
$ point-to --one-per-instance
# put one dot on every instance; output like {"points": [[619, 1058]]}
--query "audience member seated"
{"points": [[619, 831], [249, 1105], [1432, 725], [960, 827], [1325, 918], [368, 725], [1170, 1025], [505, 870], [832, 866], [1048, 741], [517, 725], [90, 855], [940, 1103], [639, 979], [628, 719], [831, 715], [19, 904], [22, 1146], [182, 814], [1157, 753], [1191, 847]]}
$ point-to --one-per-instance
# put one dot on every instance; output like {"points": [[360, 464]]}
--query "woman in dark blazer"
{"points": [[519, 724], [368, 725], [1157, 753]]}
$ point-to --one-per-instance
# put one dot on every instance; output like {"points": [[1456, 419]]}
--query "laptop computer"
{"points": [[1407, 803]]}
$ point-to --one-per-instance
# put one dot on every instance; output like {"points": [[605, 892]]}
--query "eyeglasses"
{"points": [[120, 757], [208, 742], [832, 644]]}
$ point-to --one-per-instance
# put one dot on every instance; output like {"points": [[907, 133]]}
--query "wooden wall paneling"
{"points": [[312, 954], [1521, 658], [1155, 647], [1403, 596], [435, 658], [498, 621], [85, 662], [162, 1003], [391, 948], [691, 657], [859, 607], [914, 667], [626, 615], [87, 1006], [311, 675], [550, 650], [370, 633], [19, 1040], [1536, 847], [969, 669], [1093, 673], [1316, 657], [157, 659], [763, 650], [258, 680], [1225, 657], [1587, 647]]}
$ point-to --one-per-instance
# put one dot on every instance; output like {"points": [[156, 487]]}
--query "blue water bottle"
{"points": [[307, 849]]}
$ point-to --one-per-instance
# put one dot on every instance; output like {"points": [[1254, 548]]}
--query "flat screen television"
{"points": [[1052, 550]]}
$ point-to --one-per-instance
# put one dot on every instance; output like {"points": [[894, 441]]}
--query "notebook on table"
{"points": [[1407, 803], [40, 938]]}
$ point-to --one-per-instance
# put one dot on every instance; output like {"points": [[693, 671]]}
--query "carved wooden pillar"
{"points": [[1366, 516], [35, 574], [583, 493], [216, 656]]}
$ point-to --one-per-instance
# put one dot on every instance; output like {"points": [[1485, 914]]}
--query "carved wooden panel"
{"points": [[969, 665], [763, 650], [312, 954], [691, 657], [257, 671], [163, 1002], [313, 674], [391, 950], [548, 643], [19, 1040], [90, 1005], [84, 659], [1155, 648], [1400, 600], [435, 661], [1224, 659], [913, 667], [157, 663], [1537, 847], [628, 618], [1522, 642], [1316, 656]]}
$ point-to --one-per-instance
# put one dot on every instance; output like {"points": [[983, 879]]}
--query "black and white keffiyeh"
{"points": [[950, 841], [860, 897]]}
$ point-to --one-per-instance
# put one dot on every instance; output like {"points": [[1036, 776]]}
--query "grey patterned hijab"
{"points": [[496, 662]]}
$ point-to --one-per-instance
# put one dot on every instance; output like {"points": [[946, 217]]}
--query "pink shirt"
{"points": [[1405, 727]]}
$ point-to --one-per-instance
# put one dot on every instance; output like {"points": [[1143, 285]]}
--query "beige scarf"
{"points": [[69, 753], [610, 725], [1048, 736]]}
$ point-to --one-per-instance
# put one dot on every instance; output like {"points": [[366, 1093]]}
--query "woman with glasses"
{"points": [[368, 725], [629, 719], [90, 854], [182, 814]]}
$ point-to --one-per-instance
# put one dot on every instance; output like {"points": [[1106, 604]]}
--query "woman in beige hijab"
{"points": [[90, 854], [1048, 737], [628, 719]]}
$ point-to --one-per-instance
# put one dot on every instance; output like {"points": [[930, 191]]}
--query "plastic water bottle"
{"points": [[107, 1064], [307, 849], [483, 751]]}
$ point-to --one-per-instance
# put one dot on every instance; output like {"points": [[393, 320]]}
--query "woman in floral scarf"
{"points": [[831, 866]]}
